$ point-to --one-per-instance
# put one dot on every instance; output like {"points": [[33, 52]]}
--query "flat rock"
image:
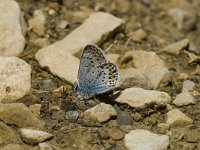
{"points": [[132, 77], [10, 29], [139, 98], [148, 62], [6, 133], [15, 79], [37, 23], [145, 140], [32, 137], [60, 63], [188, 86], [175, 48], [21, 116], [183, 99], [16, 147], [93, 30], [177, 118], [101, 113]]}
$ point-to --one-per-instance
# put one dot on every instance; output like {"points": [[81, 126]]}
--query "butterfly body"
{"points": [[96, 75]]}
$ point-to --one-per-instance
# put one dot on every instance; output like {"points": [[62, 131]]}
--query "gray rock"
{"points": [[140, 98], [37, 23], [32, 137], [17, 117], [145, 140], [175, 48], [12, 41], [48, 85], [15, 79], [188, 86], [177, 118], [124, 118], [100, 113], [6, 133], [72, 116], [185, 20], [132, 77], [183, 99], [93, 30]]}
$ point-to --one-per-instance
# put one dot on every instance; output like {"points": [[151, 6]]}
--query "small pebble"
{"points": [[188, 86], [124, 118], [72, 116], [63, 24], [116, 134]]}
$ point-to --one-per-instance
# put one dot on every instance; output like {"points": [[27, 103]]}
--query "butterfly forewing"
{"points": [[91, 58]]}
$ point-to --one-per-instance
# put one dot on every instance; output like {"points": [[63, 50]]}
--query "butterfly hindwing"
{"points": [[104, 78]]}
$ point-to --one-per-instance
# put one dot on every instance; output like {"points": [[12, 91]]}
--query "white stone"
{"points": [[145, 140], [183, 99], [177, 118], [31, 136], [101, 113], [15, 79], [12, 41], [132, 77], [175, 48], [60, 63], [148, 62], [93, 30], [188, 86], [37, 23], [139, 98]]}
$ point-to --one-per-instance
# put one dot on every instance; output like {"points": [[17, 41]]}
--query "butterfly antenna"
{"points": [[111, 45]]}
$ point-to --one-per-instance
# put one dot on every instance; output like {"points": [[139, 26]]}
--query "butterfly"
{"points": [[96, 75]]}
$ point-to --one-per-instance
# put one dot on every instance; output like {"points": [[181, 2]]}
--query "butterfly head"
{"points": [[81, 93]]}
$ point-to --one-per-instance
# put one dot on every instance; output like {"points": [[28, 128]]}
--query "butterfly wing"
{"points": [[91, 57], [104, 78]]}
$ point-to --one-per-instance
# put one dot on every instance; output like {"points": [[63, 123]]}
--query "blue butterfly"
{"points": [[96, 75]]}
